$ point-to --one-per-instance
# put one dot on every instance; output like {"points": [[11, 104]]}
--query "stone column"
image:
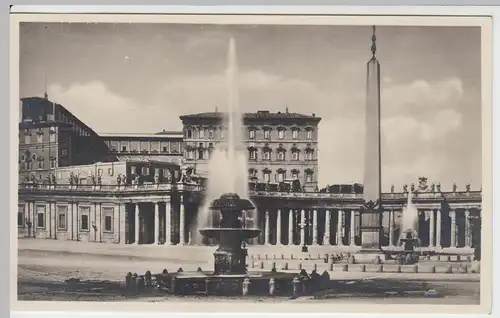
{"points": [[70, 221], [290, 227], [157, 222], [315, 227], [353, 228], [302, 228], [182, 239], [339, 228], [278, 227], [99, 223], [92, 220], [391, 227], [453, 217], [266, 229], [137, 228], [431, 228], [48, 219], [468, 240], [122, 215], [326, 236], [438, 228], [168, 222], [33, 219], [76, 224]]}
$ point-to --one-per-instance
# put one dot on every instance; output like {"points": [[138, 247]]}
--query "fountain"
{"points": [[227, 194], [230, 257], [409, 236], [227, 167], [230, 276]]}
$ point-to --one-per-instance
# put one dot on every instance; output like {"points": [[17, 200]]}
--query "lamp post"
{"points": [[303, 225]]}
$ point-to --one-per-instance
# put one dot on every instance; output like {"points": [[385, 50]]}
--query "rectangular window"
{"points": [[309, 177], [124, 148], [295, 175], [211, 134], [281, 134], [281, 177], [200, 154], [309, 155], [295, 155], [251, 134], [84, 225], [40, 221], [267, 134], [108, 223], [20, 216], [295, 134], [267, 155], [253, 154], [62, 218], [267, 176], [27, 139], [281, 155], [40, 164], [164, 149], [52, 135], [99, 172], [39, 137], [85, 218], [40, 217], [202, 133], [309, 134], [110, 172], [222, 132], [145, 171], [107, 213]]}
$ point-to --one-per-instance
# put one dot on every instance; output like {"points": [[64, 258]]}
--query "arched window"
{"points": [[266, 173], [252, 153], [309, 131], [295, 132], [281, 152], [281, 132], [281, 175], [309, 175], [251, 132]]}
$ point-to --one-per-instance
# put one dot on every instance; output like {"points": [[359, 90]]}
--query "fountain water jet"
{"points": [[409, 223], [228, 165]]}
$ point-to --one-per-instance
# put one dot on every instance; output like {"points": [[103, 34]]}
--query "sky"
{"points": [[139, 78]]}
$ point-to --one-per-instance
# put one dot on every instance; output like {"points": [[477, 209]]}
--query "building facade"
{"points": [[280, 147], [50, 136], [163, 146], [128, 189], [165, 213]]}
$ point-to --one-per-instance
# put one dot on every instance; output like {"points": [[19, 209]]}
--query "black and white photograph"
{"points": [[245, 162]]}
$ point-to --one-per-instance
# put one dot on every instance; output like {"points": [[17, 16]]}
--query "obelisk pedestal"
{"points": [[371, 212]]}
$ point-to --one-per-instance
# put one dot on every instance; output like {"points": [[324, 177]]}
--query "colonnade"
{"points": [[170, 221], [436, 228]]}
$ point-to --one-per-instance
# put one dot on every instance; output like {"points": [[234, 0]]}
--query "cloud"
{"points": [[421, 96], [418, 118], [107, 112]]}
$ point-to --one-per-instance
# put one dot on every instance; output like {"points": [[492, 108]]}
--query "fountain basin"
{"points": [[207, 283]]}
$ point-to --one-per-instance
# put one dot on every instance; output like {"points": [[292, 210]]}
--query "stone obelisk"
{"points": [[371, 216]]}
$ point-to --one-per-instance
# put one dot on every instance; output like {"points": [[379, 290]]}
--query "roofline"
{"points": [[141, 135], [315, 119]]}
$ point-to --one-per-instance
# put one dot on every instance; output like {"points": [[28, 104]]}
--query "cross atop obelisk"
{"points": [[372, 212], [374, 43]]}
